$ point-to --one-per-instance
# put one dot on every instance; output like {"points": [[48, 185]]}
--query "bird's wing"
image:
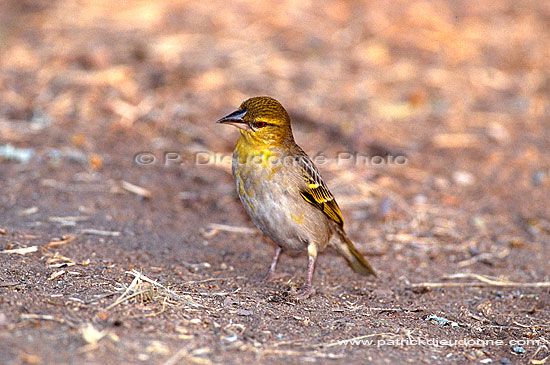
{"points": [[316, 193]]}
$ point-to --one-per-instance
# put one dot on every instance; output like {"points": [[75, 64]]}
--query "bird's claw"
{"points": [[268, 276], [304, 293], [271, 275]]}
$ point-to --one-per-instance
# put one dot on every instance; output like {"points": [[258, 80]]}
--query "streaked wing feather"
{"points": [[317, 193]]}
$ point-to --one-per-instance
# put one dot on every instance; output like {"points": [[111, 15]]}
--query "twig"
{"points": [[484, 257], [99, 232], [484, 282], [68, 221], [59, 243], [138, 190], [46, 317], [215, 228]]}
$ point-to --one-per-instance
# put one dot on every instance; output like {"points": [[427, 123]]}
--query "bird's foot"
{"points": [[268, 276], [305, 292], [272, 275]]}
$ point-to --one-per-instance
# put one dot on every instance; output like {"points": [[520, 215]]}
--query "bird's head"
{"points": [[262, 121]]}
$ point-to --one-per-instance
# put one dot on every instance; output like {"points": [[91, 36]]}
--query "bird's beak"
{"points": [[235, 119]]}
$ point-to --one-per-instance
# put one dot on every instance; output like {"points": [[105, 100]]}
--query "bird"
{"points": [[282, 190]]}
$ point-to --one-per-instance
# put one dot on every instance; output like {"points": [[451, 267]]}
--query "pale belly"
{"points": [[274, 204]]}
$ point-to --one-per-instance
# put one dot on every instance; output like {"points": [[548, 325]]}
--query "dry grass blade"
{"points": [[123, 296], [22, 251], [100, 232], [56, 260], [64, 241], [483, 281], [70, 220], [214, 228], [485, 257], [135, 289], [56, 274], [541, 361], [184, 357], [138, 190], [171, 292], [46, 317]]}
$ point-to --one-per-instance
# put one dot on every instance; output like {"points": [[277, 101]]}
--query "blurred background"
{"points": [[461, 88]]}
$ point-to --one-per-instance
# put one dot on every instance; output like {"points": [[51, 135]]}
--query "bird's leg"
{"points": [[308, 290], [271, 271]]}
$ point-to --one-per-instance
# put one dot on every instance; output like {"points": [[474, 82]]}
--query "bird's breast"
{"points": [[270, 193]]}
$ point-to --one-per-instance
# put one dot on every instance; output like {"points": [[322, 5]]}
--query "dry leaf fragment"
{"points": [[30, 358], [91, 335], [22, 251], [95, 161], [57, 260], [28, 211]]}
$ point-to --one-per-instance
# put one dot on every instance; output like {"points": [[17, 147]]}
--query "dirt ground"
{"points": [[120, 241]]}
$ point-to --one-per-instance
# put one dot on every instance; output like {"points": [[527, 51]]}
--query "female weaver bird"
{"points": [[282, 190]]}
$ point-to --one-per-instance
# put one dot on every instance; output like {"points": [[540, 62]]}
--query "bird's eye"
{"points": [[260, 124]]}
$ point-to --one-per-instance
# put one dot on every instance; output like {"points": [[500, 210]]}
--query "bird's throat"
{"points": [[250, 151]]}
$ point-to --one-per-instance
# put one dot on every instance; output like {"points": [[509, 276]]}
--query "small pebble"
{"points": [[11, 153], [420, 199], [244, 312], [385, 207], [231, 338], [538, 177], [442, 321], [518, 350], [463, 178], [441, 183]]}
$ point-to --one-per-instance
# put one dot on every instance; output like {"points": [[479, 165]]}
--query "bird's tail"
{"points": [[355, 260]]}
